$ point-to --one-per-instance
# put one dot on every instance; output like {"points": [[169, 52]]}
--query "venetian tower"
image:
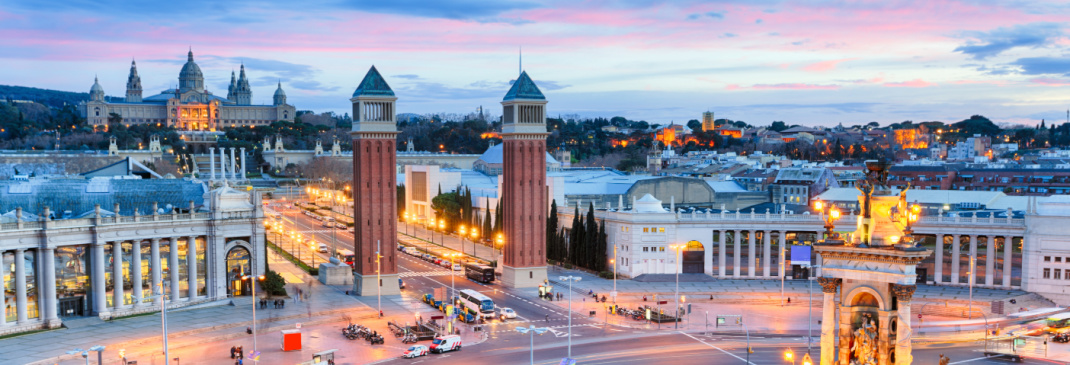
{"points": [[524, 196], [375, 217], [133, 85]]}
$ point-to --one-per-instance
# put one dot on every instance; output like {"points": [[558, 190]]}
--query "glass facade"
{"points": [[109, 278], [165, 266], [72, 279], [145, 269], [128, 281], [30, 258], [8, 260], [237, 266], [183, 269], [202, 268]]}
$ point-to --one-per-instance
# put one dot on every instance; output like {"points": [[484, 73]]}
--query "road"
{"points": [[594, 342]]}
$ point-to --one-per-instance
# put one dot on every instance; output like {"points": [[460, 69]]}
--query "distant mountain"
{"points": [[52, 98]]}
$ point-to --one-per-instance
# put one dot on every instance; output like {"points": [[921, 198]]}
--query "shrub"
{"points": [[274, 284]]}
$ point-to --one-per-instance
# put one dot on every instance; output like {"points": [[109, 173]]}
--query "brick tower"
{"points": [[524, 196], [374, 188]]}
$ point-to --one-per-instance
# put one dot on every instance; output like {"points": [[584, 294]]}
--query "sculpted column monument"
{"points": [[903, 334], [828, 319]]}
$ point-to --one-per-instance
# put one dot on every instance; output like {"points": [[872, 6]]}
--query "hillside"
{"points": [[52, 98]]}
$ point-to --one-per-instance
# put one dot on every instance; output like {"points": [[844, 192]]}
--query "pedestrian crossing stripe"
{"points": [[425, 273]]}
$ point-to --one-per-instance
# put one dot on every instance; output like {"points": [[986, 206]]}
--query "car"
{"points": [[458, 267], [1061, 338], [322, 248], [446, 343], [415, 351], [504, 313]]}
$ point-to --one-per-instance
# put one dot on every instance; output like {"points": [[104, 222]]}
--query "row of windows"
{"points": [[653, 229], [653, 249], [1058, 274], [1056, 258]]}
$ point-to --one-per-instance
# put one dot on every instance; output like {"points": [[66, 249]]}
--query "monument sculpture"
{"points": [[873, 273]]}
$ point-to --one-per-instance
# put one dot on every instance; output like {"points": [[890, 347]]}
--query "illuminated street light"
{"points": [[532, 331], [789, 356], [253, 284]]}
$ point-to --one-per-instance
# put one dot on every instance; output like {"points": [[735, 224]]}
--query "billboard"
{"points": [[800, 255]]}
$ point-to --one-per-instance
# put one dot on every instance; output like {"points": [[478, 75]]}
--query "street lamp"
{"points": [[614, 262], [85, 353], [676, 315], [570, 279], [532, 331], [442, 231], [158, 293], [789, 356], [475, 236], [806, 360], [830, 214], [253, 285], [453, 284], [463, 235]]}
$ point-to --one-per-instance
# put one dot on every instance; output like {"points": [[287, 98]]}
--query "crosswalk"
{"points": [[410, 274]]}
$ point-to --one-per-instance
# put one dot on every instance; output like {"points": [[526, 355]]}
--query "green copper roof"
{"points": [[524, 88], [373, 85]]}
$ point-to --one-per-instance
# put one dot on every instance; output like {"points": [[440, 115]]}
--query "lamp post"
{"points": [[379, 276], [158, 293], [475, 236], [442, 231], [789, 356], [676, 315], [85, 353], [453, 284], [570, 279], [463, 230], [532, 331], [253, 285]]}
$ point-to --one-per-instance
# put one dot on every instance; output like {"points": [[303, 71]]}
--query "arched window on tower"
{"points": [[97, 111]]}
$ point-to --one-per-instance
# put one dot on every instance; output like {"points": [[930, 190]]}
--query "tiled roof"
{"points": [[373, 84], [524, 88]]}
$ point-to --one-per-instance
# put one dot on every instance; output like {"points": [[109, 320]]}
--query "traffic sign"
{"points": [[919, 315]]}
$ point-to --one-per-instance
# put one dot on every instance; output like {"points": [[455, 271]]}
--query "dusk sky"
{"points": [[802, 62]]}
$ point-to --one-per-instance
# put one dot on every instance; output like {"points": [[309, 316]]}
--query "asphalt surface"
{"points": [[593, 342]]}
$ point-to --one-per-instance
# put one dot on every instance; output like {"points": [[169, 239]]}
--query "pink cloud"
{"points": [[911, 83], [824, 66], [1049, 81], [785, 86]]}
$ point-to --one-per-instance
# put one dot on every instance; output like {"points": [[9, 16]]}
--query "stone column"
{"points": [[828, 319], [157, 273], [135, 271], [211, 162], [990, 260], [938, 264], [781, 270], [844, 341], [707, 259], [903, 334], [191, 260], [20, 284], [222, 163], [955, 258], [751, 252], [766, 254], [48, 257], [243, 164], [233, 176], [117, 273], [721, 256], [972, 279], [1008, 260], [173, 267], [884, 347], [100, 302], [736, 245]]}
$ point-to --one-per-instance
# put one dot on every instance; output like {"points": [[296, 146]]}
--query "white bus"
{"points": [[328, 222], [480, 303]]}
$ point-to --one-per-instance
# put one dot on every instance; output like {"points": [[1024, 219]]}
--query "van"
{"points": [[446, 343], [322, 248]]}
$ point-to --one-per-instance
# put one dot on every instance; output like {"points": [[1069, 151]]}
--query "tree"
{"points": [[446, 206], [551, 232], [694, 125], [600, 248], [778, 126], [400, 198], [590, 239]]}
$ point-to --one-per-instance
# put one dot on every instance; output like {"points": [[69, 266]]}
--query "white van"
{"points": [[446, 343]]}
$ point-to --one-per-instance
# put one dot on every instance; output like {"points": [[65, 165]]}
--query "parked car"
{"points": [[415, 351], [446, 343]]}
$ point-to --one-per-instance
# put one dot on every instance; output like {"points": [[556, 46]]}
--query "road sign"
{"points": [[919, 315], [568, 361]]}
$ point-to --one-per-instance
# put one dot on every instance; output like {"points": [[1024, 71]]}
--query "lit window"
{"points": [[646, 230], [662, 249], [661, 229]]}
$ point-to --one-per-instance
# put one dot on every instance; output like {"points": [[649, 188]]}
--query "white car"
{"points": [[415, 351], [322, 247], [457, 267], [505, 313]]}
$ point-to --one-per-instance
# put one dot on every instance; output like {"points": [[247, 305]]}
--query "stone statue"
{"points": [[865, 344], [866, 188]]}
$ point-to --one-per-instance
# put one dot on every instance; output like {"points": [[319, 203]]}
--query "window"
{"points": [[1047, 258], [646, 230], [1058, 274], [1058, 259], [644, 249], [662, 249], [1047, 273], [661, 229]]}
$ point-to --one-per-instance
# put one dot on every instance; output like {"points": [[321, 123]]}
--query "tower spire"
{"points": [[520, 60]]}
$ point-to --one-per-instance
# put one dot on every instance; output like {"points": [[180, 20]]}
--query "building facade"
{"points": [[190, 107], [66, 243]]}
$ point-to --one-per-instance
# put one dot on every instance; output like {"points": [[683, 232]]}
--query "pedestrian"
{"points": [[547, 317], [789, 300], [241, 352], [233, 350]]}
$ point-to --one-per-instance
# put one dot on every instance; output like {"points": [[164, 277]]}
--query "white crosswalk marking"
{"points": [[426, 273]]}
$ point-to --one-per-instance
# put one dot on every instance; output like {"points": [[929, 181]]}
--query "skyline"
{"points": [[809, 63]]}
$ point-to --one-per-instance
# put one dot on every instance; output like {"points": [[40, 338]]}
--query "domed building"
{"points": [[190, 107]]}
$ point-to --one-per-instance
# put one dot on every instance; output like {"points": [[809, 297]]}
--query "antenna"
{"points": [[520, 63]]}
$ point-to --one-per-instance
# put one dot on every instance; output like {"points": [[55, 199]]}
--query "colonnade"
{"points": [[765, 261], [236, 172], [991, 256]]}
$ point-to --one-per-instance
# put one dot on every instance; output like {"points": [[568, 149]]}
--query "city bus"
{"points": [[328, 222], [477, 302], [345, 256], [480, 273], [1058, 323]]}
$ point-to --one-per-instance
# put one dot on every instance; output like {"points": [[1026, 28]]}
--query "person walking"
{"points": [[233, 350]]}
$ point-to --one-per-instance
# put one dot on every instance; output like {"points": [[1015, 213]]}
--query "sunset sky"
{"points": [[802, 62]]}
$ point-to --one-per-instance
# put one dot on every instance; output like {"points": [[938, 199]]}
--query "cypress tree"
{"points": [[488, 231], [551, 231], [575, 242], [591, 239], [601, 247]]}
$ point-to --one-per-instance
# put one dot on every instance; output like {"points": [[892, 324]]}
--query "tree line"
{"points": [[583, 245]]}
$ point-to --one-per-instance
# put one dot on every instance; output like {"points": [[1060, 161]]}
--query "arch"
{"points": [[693, 258], [694, 246], [863, 294], [239, 262]]}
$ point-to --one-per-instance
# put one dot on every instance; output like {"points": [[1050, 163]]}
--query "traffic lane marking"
{"points": [[717, 348]]}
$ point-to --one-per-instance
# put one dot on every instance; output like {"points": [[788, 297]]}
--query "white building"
{"points": [[61, 241]]}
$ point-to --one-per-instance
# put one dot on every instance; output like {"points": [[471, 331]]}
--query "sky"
{"points": [[801, 62]]}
